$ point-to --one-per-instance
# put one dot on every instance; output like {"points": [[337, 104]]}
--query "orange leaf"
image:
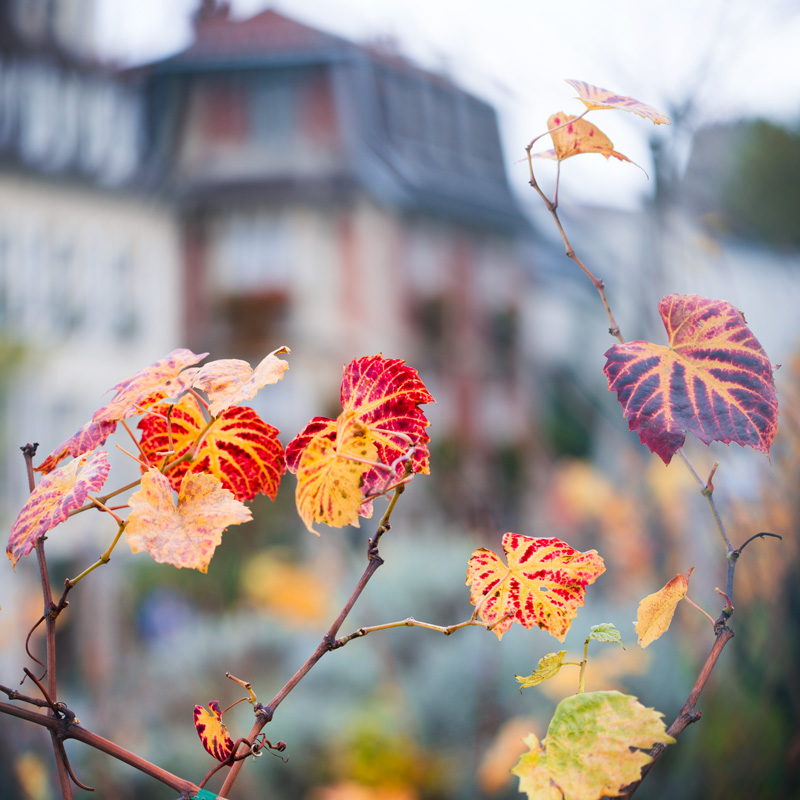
{"points": [[712, 380], [573, 136], [229, 381], [186, 535], [593, 97], [152, 384], [329, 480], [212, 731], [656, 610], [240, 449], [91, 435], [50, 503], [543, 584]]}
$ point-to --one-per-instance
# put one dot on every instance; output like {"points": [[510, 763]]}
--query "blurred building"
{"points": [[272, 184], [89, 264], [338, 199]]}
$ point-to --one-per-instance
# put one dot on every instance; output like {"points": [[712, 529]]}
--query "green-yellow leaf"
{"points": [[594, 747], [656, 610], [605, 632], [547, 667]]}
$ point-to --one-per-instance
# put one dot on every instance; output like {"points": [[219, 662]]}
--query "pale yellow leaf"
{"points": [[656, 610]]}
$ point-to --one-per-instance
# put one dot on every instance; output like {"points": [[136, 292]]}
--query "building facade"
{"points": [[338, 199]]}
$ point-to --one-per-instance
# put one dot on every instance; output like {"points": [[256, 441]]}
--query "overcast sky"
{"points": [[733, 58]]}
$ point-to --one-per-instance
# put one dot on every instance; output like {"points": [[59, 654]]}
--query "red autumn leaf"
{"points": [[230, 381], [148, 386], [330, 475], [91, 435], [573, 136], [544, 583], [385, 394], [185, 535], [50, 503], [319, 426], [593, 97], [712, 380], [240, 448], [212, 731]]}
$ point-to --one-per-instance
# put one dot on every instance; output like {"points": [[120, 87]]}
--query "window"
{"points": [[253, 253]]}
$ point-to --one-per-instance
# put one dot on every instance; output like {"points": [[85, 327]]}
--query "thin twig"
{"points": [[410, 622], [70, 772], [264, 714], [598, 284], [28, 452], [14, 694], [761, 535], [707, 490], [702, 611], [28, 645], [105, 497], [104, 557]]}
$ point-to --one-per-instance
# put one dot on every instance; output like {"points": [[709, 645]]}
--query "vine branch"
{"points": [[688, 713], [264, 714], [50, 614], [552, 207], [65, 727]]}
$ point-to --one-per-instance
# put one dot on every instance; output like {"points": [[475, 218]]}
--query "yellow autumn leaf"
{"points": [[330, 474], [573, 136], [656, 610], [212, 731], [186, 534]]}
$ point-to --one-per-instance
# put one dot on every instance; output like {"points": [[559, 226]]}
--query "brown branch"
{"points": [[264, 714], [28, 452], [13, 694], [688, 714], [66, 728]]}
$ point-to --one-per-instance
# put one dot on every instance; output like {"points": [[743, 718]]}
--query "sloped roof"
{"points": [[413, 174], [222, 42]]}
